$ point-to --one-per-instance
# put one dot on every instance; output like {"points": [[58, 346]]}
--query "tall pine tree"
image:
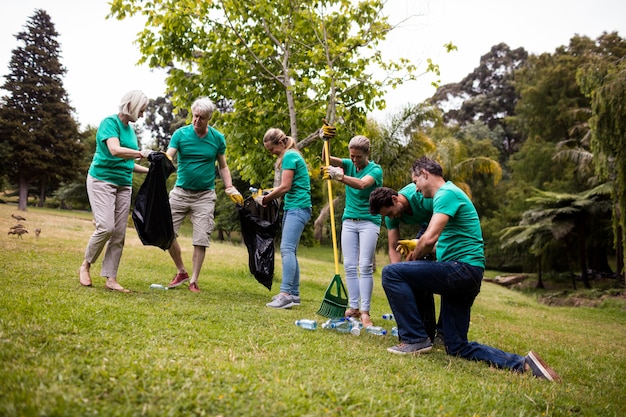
{"points": [[36, 120]]}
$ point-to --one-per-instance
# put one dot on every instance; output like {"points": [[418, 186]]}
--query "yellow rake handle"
{"points": [[332, 209]]}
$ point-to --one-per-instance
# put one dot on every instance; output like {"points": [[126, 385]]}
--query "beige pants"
{"points": [[200, 206], [110, 206]]}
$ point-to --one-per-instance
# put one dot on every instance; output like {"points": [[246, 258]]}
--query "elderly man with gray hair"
{"points": [[197, 147]]}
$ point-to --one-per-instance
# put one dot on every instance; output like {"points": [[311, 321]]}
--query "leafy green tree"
{"points": [[36, 119], [487, 95], [73, 195], [284, 64], [569, 218], [162, 119], [604, 80], [403, 139]]}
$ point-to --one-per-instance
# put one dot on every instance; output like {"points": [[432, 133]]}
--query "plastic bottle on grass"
{"points": [[342, 326], [376, 330], [157, 287], [355, 322], [307, 324], [330, 324], [388, 316], [394, 331]]}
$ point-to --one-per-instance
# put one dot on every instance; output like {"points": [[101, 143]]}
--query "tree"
{"points": [[36, 119], [604, 80], [569, 218], [161, 119], [487, 94], [284, 64]]}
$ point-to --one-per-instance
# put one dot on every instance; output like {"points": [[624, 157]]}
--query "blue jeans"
{"points": [[358, 244], [294, 221], [458, 284]]}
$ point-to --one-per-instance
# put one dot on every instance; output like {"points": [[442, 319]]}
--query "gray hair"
{"points": [[429, 165], [204, 105], [361, 143], [133, 103]]}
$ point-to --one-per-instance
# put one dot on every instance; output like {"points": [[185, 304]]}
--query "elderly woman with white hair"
{"points": [[109, 187], [360, 229]]}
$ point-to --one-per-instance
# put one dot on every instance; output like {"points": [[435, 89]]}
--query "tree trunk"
{"points": [[619, 255], [582, 254], [23, 200], [318, 225], [42, 196], [540, 275]]}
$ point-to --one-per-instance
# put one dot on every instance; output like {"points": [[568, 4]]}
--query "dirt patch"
{"points": [[561, 292]]}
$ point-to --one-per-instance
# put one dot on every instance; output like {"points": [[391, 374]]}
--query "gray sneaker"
{"points": [[281, 301], [411, 348], [540, 369], [439, 342], [295, 299]]}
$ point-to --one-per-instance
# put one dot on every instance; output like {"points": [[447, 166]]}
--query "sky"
{"points": [[101, 57]]}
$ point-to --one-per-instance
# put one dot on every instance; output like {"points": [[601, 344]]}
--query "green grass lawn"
{"points": [[66, 350]]}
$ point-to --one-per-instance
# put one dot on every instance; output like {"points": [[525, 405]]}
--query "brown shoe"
{"points": [[533, 363], [353, 312], [193, 287]]}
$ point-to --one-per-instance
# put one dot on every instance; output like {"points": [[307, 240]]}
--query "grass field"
{"points": [[66, 350]]}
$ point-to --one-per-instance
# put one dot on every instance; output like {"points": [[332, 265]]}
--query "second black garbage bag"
{"points": [[259, 226]]}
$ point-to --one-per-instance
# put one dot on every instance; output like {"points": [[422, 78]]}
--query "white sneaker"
{"points": [[281, 301]]}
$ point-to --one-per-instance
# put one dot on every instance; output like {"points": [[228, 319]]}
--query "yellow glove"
{"points": [[234, 195], [406, 246], [332, 173], [328, 131], [258, 195]]}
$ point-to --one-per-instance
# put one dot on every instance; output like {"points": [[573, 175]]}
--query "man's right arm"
{"points": [[393, 236]]}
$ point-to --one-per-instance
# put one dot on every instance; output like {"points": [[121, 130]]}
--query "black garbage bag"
{"points": [[152, 215], [259, 226]]}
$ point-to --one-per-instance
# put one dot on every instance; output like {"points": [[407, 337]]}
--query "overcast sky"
{"points": [[101, 58]]}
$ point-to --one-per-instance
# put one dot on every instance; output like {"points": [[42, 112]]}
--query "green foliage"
{"points": [[569, 218], [604, 80], [549, 92], [487, 95], [162, 120], [284, 65], [398, 143], [73, 351], [36, 120]]}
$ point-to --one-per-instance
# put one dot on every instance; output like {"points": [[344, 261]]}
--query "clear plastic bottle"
{"points": [[347, 326], [157, 287], [330, 323], [376, 330], [355, 322], [388, 316], [394, 331], [307, 324]]}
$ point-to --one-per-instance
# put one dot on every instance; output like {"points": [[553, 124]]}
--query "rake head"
{"points": [[335, 299]]}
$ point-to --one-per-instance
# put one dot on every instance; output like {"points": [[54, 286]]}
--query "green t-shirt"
{"points": [[299, 196], [461, 239], [109, 168], [358, 201], [196, 157], [422, 208]]}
